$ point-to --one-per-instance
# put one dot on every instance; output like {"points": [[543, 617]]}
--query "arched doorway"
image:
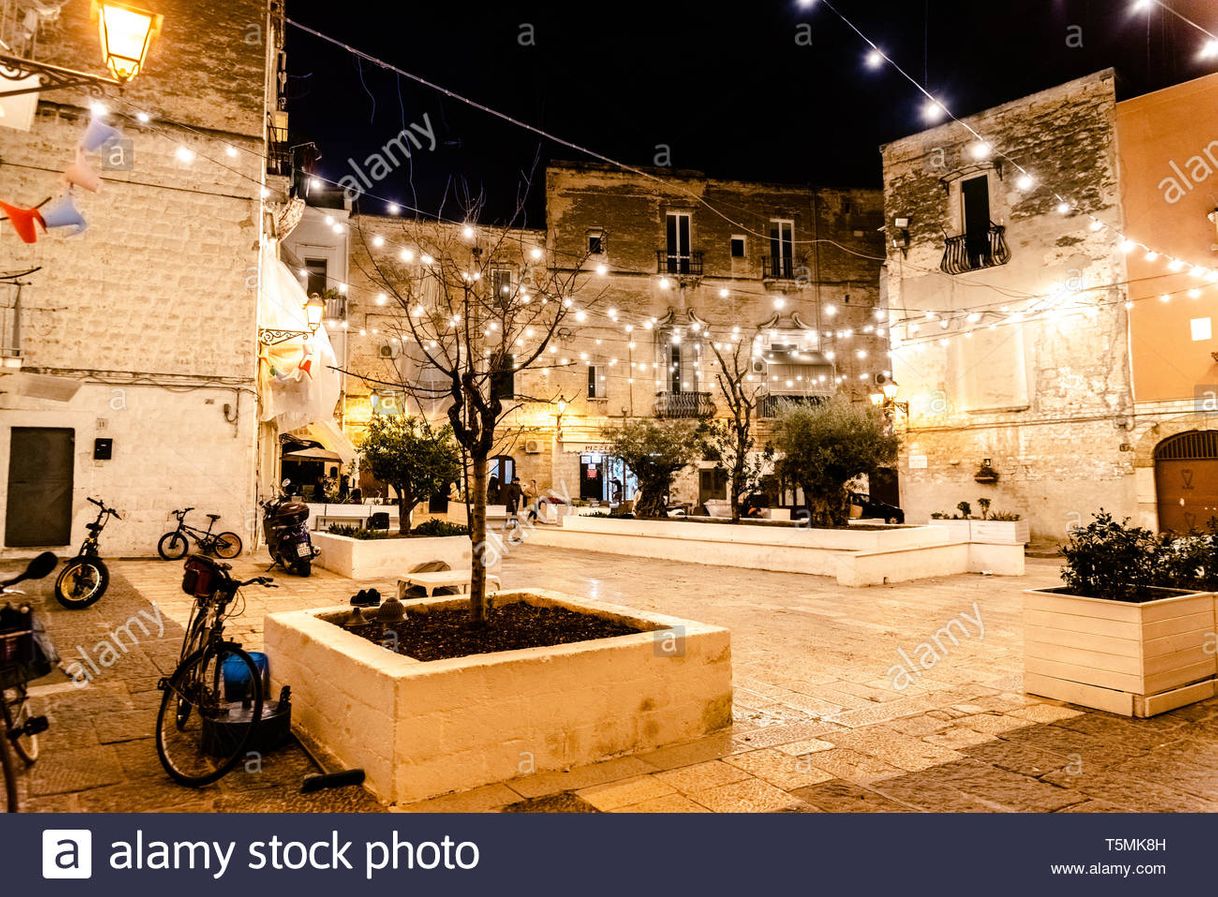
{"points": [[1186, 480]]}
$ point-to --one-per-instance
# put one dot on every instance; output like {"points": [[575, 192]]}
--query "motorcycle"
{"points": [[287, 535], [85, 578]]}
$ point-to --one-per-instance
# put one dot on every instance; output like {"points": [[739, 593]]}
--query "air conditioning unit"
{"points": [[532, 447], [760, 367], [389, 350]]}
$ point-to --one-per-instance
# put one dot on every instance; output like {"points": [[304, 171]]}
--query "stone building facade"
{"points": [[671, 262], [1010, 261], [142, 330]]}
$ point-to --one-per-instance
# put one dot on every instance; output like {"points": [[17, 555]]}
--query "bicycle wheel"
{"points": [[82, 583], [228, 546], [16, 710], [198, 748], [173, 546], [10, 776]]}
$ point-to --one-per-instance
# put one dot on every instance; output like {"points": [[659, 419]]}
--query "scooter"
{"points": [[287, 535], [85, 579]]}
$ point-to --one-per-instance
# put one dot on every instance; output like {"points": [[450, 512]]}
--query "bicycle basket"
{"points": [[20, 658], [202, 576]]}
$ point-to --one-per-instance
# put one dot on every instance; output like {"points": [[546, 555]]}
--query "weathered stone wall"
{"points": [[154, 306], [1048, 399]]}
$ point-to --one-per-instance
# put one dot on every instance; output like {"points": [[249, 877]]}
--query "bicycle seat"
{"points": [[213, 517]]}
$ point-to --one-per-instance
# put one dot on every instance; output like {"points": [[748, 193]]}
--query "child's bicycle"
{"points": [[174, 544], [213, 701], [21, 659]]}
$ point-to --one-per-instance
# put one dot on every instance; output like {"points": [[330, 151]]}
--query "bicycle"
{"points": [[213, 701], [174, 545], [85, 579], [20, 661]]}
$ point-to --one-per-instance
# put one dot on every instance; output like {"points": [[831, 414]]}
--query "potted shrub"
{"points": [[1119, 634]]}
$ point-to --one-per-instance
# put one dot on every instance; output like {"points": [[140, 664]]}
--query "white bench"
{"points": [[437, 579]]}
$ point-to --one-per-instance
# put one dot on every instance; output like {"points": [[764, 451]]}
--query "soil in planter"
{"points": [[442, 634]]}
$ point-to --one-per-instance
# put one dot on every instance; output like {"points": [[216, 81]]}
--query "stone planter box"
{"points": [[381, 558], [424, 729], [322, 515], [990, 532], [1131, 659]]}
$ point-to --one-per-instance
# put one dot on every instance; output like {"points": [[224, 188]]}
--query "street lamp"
{"points": [[886, 396], [126, 33], [315, 310], [561, 405]]}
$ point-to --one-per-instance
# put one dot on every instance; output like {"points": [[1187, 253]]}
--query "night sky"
{"points": [[725, 86]]}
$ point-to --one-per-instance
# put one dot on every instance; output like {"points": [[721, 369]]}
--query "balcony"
{"points": [[770, 405], [278, 154], [778, 267], [684, 405], [677, 264], [973, 252]]}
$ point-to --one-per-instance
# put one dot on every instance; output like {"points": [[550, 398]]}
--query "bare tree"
{"points": [[474, 307], [732, 438]]}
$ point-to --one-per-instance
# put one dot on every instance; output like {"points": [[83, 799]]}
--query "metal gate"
{"points": [[1186, 480], [40, 474]]}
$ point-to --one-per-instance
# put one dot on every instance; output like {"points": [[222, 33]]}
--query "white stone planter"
{"points": [[424, 729], [380, 558], [1131, 659], [990, 532]]}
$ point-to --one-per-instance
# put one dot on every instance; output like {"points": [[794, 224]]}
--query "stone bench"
{"points": [[437, 579]]}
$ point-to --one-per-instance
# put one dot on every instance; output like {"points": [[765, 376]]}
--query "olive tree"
{"points": [[823, 447], [656, 451], [415, 458], [730, 440]]}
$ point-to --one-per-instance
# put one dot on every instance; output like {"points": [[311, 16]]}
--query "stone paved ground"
{"points": [[819, 725]]}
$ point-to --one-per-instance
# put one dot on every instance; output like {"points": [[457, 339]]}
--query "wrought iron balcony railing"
{"points": [[972, 252], [778, 267], [770, 405], [684, 404], [673, 263]]}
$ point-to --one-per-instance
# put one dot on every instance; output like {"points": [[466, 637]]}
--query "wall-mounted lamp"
{"points": [[900, 235], [315, 310], [560, 407], [885, 397], [126, 33]]}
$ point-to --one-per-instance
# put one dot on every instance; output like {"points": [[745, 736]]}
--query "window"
{"points": [[782, 248], [712, 483], [503, 381], [677, 238], [596, 242], [596, 382], [315, 269], [738, 246], [975, 219], [1202, 329], [501, 284]]}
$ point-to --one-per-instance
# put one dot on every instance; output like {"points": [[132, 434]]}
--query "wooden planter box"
{"points": [[420, 729], [1131, 659]]}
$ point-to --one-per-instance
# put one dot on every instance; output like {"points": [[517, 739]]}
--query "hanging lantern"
{"points": [[126, 33], [315, 310]]}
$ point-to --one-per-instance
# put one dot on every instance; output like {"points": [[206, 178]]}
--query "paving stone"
{"points": [[1077, 746], [919, 726], [894, 748], [136, 797], [1020, 758], [477, 800], [545, 783], [564, 802], [628, 791], [958, 737], [780, 769], [127, 725], [1045, 713], [672, 803], [710, 748], [702, 776], [1007, 790], [59, 771], [860, 769], [800, 748], [1134, 795], [772, 736], [992, 723], [848, 797], [749, 796], [927, 790]]}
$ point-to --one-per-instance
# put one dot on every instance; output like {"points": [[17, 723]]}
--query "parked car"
{"points": [[876, 509]]}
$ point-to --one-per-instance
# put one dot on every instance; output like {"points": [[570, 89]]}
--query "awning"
{"points": [[313, 454]]}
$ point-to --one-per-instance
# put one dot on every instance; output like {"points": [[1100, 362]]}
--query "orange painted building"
{"points": [[1168, 166]]}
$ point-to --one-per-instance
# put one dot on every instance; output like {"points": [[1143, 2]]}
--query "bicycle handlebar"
{"points": [[106, 510]]}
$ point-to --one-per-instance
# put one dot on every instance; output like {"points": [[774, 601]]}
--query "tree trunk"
{"points": [[477, 536], [404, 509]]}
